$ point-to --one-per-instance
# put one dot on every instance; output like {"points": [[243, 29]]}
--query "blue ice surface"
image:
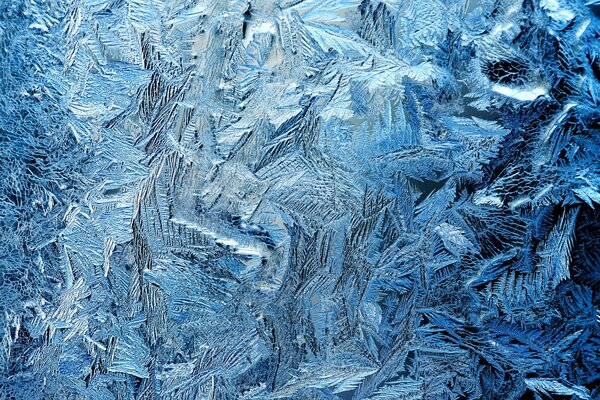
{"points": [[299, 199]]}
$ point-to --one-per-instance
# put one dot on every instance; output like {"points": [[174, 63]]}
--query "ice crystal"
{"points": [[299, 199]]}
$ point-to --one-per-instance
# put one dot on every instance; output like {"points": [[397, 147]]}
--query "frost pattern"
{"points": [[300, 199]]}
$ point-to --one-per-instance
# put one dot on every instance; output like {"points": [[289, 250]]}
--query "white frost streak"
{"points": [[521, 94]]}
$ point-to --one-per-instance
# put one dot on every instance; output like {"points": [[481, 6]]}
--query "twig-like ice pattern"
{"points": [[299, 199]]}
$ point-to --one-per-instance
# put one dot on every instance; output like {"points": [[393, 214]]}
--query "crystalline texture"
{"points": [[299, 199]]}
